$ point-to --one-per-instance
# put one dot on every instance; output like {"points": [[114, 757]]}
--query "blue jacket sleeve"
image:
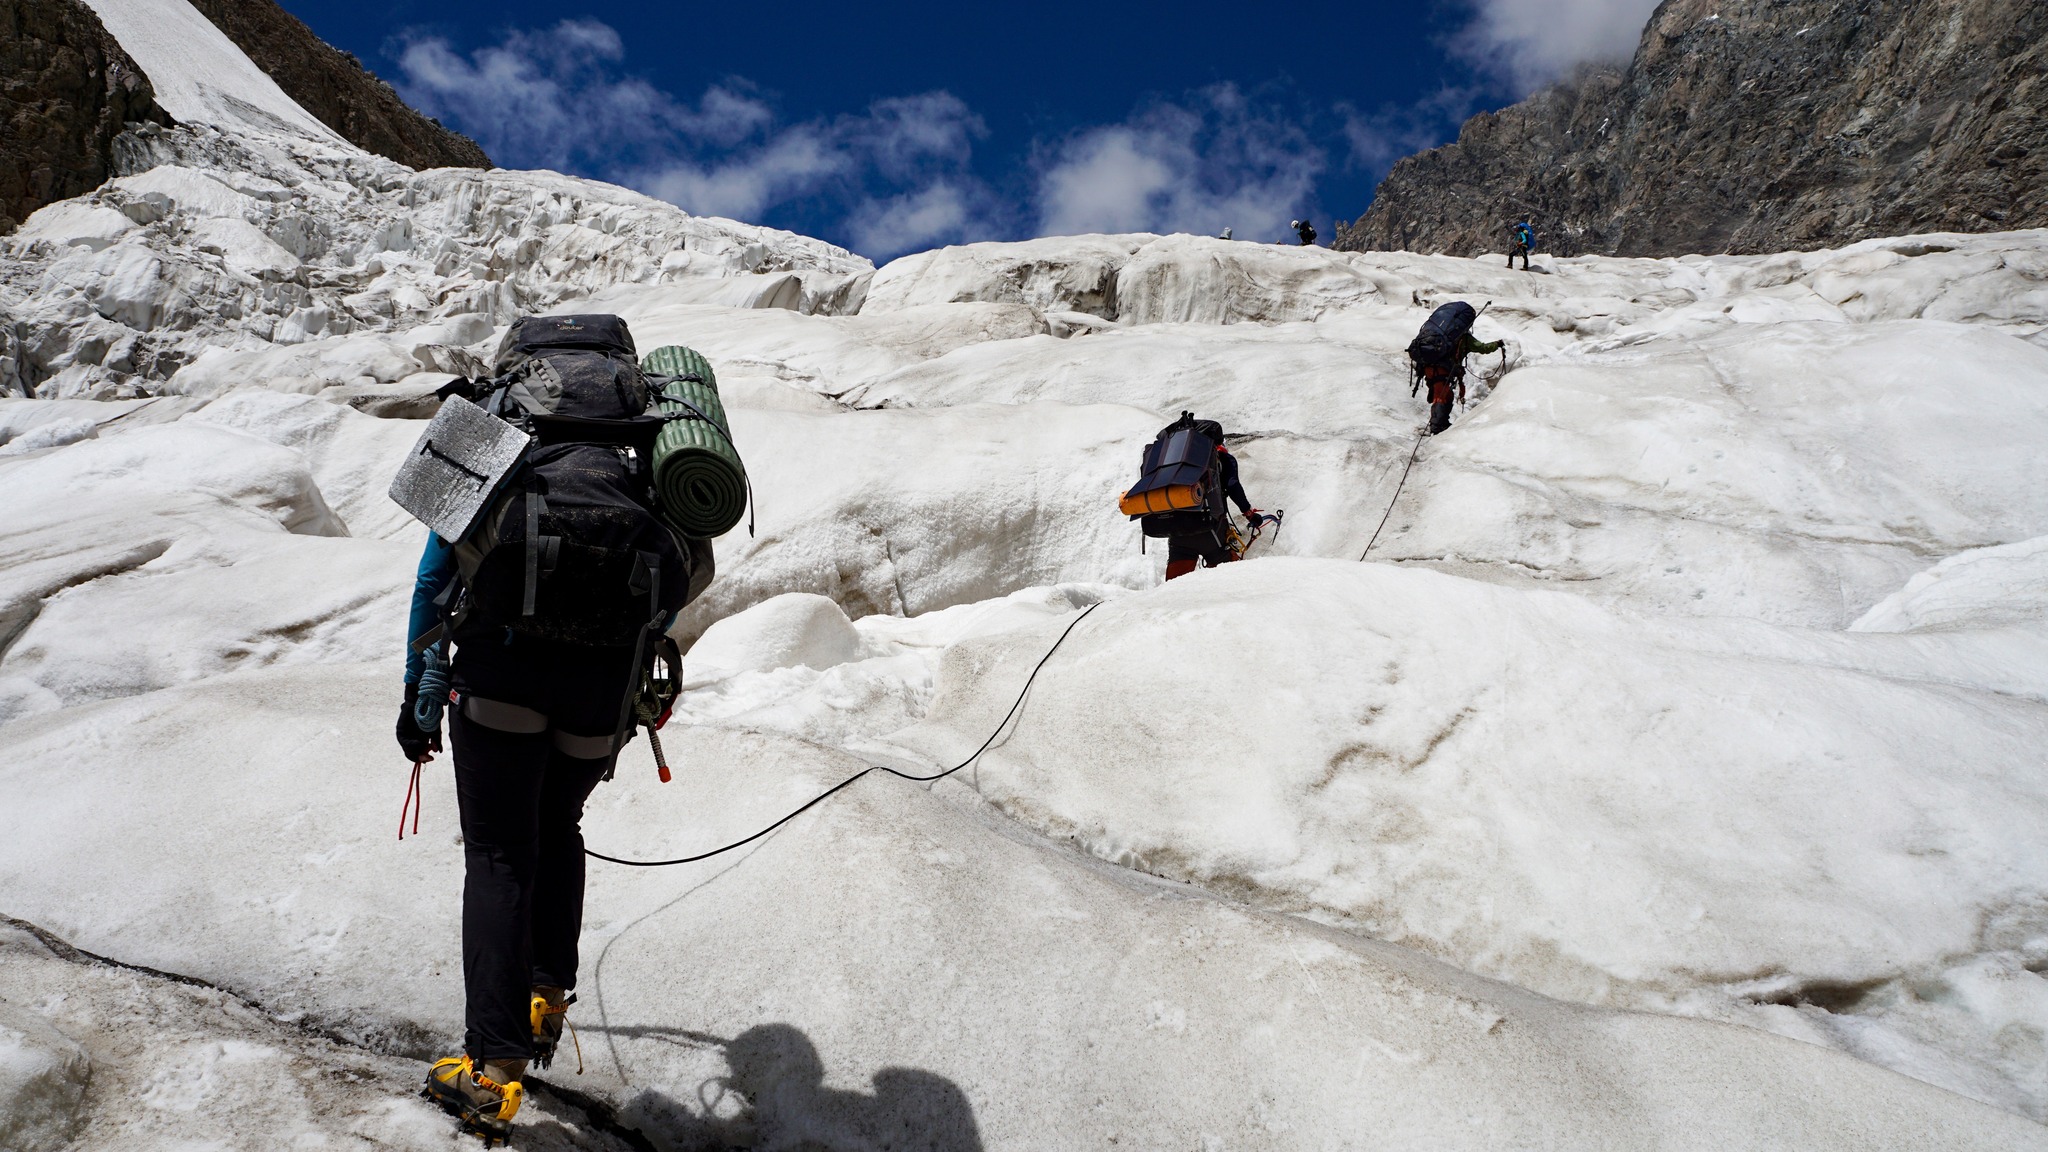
{"points": [[437, 571]]}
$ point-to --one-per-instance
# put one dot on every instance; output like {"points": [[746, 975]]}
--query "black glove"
{"points": [[415, 742]]}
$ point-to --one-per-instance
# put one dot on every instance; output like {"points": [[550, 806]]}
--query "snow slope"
{"points": [[984, 989], [1821, 834], [1670, 776], [199, 75]]}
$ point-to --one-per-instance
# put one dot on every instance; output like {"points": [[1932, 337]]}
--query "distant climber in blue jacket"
{"points": [[1524, 240]]}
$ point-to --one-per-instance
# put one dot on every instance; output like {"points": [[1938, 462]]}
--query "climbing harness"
{"points": [[1397, 494], [820, 797]]}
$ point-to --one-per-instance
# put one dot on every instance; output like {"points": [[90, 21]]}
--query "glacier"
{"points": [[1671, 775]]}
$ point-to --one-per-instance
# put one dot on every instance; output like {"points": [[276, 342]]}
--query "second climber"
{"points": [[1186, 484]]}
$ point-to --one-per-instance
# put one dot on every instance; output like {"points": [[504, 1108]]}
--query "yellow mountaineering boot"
{"points": [[550, 1013], [486, 1100]]}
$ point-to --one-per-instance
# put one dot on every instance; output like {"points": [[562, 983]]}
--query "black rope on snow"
{"points": [[1397, 496], [822, 796]]}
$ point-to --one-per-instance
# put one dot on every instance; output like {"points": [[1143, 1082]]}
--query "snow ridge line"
{"points": [[600, 1114]]}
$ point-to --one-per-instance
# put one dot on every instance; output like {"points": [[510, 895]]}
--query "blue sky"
{"points": [[890, 128]]}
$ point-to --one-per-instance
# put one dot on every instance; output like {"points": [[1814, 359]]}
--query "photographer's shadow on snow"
{"points": [[777, 1071]]}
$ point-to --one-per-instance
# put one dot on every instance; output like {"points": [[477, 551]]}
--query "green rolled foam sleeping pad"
{"points": [[700, 485]]}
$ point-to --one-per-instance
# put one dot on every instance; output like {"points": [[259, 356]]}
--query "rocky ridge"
{"points": [[66, 89], [1747, 126]]}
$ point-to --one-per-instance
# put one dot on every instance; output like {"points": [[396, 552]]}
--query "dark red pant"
{"points": [[1183, 553]]}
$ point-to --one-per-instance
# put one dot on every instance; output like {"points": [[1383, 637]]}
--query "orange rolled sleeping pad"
{"points": [[1172, 498]]}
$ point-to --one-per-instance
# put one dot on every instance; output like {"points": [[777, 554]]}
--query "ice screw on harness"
{"points": [[660, 761]]}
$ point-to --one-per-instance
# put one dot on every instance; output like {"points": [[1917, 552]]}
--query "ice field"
{"points": [[1672, 776]]}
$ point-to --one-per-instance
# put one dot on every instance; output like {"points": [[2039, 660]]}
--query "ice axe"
{"points": [[1276, 519]]}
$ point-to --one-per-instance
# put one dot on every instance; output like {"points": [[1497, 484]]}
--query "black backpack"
{"points": [[1441, 342], [572, 550], [1180, 489]]}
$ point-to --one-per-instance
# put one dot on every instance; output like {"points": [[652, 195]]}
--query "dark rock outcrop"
{"points": [[1752, 126], [66, 88], [334, 86]]}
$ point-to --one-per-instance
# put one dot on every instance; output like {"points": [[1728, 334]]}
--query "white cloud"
{"points": [[904, 135], [554, 99], [748, 183], [923, 141], [936, 214], [1217, 161], [547, 99], [1529, 43]]}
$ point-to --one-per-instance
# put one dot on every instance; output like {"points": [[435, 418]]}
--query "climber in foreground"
{"points": [[1436, 357], [1523, 239], [1185, 478], [557, 563], [1305, 231]]}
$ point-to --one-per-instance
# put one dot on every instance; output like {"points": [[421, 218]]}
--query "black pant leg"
{"points": [[1439, 418], [558, 888], [498, 784]]}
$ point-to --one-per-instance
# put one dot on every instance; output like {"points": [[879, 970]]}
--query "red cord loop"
{"points": [[415, 799]]}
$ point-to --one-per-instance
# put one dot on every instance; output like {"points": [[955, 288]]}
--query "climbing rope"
{"points": [[1397, 494], [848, 782]]}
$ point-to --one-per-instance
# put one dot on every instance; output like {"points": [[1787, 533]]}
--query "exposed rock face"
{"points": [[334, 86], [1752, 126], [66, 88]]}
